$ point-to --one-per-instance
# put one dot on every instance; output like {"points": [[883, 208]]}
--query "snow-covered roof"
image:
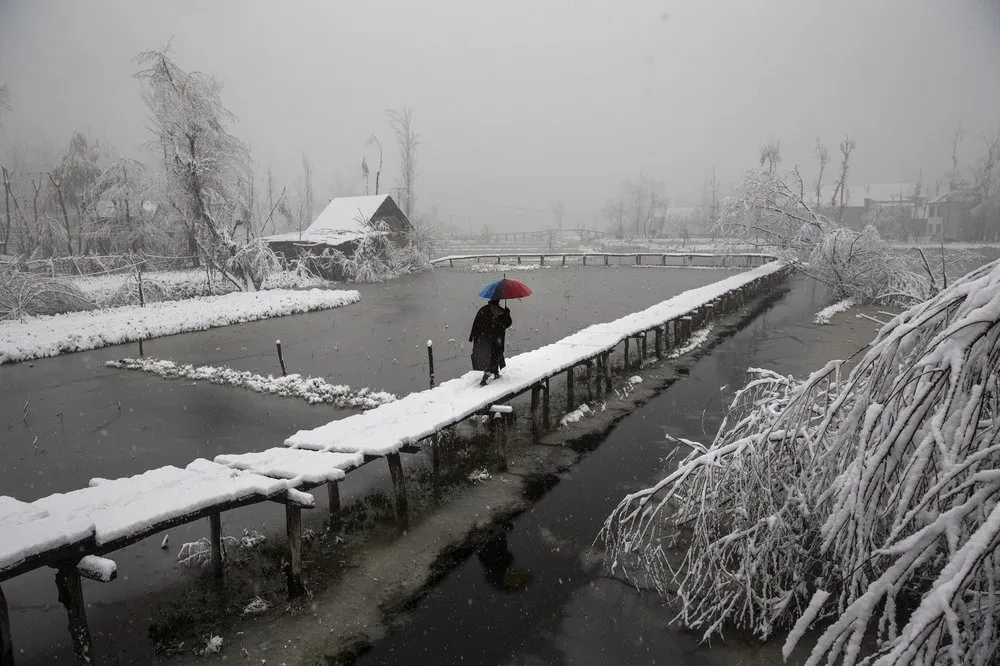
{"points": [[343, 220]]}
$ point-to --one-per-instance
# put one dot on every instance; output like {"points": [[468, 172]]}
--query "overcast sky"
{"points": [[525, 102]]}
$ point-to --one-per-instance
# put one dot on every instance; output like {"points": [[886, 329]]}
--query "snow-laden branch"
{"points": [[873, 500]]}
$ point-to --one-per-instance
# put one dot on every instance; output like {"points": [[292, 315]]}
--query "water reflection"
{"points": [[498, 563]]}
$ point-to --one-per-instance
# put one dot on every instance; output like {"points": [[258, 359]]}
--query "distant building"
{"points": [[950, 216], [864, 203], [342, 225]]}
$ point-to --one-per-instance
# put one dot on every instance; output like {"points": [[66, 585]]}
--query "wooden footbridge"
{"points": [[676, 259], [74, 532]]}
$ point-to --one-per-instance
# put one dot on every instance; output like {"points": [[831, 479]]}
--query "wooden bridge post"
{"points": [[590, 379], [678, 339], [666, 337], [607, 372], [625, 366], [686, 327], [398, 487], [215, 539], [71, 597], [293, 528], [638, 259], [663, 260], [536, 396], [564, 260], [643, 342], [570, 399], [605, 260], [658, 341], [499, 435], [6, 643], [451, 263], [584, 260], [333, 492], [546, 411]]}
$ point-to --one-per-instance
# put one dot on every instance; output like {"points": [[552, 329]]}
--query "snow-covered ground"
{"points": [[824, 316], [314, 390], [181, 284], [38, 337]]}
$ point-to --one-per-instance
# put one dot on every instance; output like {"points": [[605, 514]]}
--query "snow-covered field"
{"points": [[179, 284], [38, 337], [314, 390]]}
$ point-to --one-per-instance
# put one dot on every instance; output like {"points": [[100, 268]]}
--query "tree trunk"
{"points": [[62, 207], [6, 196]]}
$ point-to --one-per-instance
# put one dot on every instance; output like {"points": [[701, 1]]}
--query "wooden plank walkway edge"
{"points": [[724, 260], [282, 474]]}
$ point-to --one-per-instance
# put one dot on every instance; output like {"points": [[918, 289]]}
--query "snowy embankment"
{"points": [[824, 316], [314, 390], [38, 337], [418, 415], [176, 285]]}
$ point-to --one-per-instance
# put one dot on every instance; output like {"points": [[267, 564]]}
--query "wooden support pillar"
{"points": [[638, 259], [570, 398], [590, 380], [451, 263], [607, 372], [584, 260], [215, 538], [498, 260], [71, 597], [709, 311], [536, 398], [625, 366], [6, 643], [677, 333], [293, 528], [398, 487], [541, 260], [642, 346], [518, 260], [686, 327], [658, 341], [333, 492], [663, 260], [546, 409], [500, 436], [605, 260], [564, 260]]}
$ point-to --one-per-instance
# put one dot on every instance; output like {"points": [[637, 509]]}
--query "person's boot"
{"points": [[486, 378]]}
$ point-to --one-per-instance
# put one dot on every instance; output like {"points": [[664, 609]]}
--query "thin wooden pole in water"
{"points": [[536, 395], [546, 406], [499, 435], [71, 597], [293, 527], [430, 360], [281, 359], [215, 539]]}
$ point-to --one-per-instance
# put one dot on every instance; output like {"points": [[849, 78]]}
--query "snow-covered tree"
{"points": [[407, 140], [870, 504], [205, 168]]}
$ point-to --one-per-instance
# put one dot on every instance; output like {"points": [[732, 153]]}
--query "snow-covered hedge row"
{"points": [[314, 390], [36, 337], [871, 502]]}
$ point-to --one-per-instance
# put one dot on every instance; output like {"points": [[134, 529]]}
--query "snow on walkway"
{"points": [[388, 428], [38, 337], [314, 390]]}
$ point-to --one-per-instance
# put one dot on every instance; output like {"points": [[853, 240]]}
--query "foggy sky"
{"points": [[525, 102]]}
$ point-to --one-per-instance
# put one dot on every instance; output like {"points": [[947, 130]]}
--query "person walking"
{"points": [[489, 330]]}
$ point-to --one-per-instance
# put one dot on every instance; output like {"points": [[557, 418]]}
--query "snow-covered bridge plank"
{"points": [[128, 509], [30, 537], [300, 467], [387, 428]]}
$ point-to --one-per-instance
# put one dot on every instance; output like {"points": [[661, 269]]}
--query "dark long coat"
{"points": [[488, 336]]}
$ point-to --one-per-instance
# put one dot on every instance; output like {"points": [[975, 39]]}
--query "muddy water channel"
{"points": [[70, 418], [531, 591]]}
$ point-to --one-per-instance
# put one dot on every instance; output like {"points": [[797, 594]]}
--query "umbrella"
{"points": [[505, 288]]}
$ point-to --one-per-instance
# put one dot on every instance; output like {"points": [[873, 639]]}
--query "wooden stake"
{"points": [[71, 596], [607, 372], [658, 341], [293, 525], [281, 359], [215, 538], [677, 333], [430, 360], [399, 488], [6, 643], [626, 354], [590, 380]]}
